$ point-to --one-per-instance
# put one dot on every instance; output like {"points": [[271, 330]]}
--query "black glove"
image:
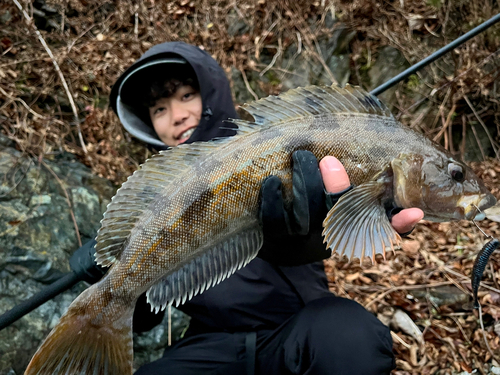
{"points": [[391, 211], [82, 262], [294, 238]]}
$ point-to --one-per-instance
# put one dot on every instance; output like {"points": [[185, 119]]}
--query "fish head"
{"points": [[444, 188]]}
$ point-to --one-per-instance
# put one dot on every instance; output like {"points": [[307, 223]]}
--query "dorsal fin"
{"points": [[314, 100], [139, 192]]}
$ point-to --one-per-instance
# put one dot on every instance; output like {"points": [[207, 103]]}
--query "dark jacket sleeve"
{"points": [[145, 319]]}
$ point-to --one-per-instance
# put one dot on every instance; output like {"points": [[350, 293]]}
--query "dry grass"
{"points": [[94, 41]]}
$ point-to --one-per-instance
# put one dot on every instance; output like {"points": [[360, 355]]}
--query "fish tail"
{"points": [[79, 345]]}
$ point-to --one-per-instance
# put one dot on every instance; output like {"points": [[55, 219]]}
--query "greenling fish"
{"points": [[188, 218]]}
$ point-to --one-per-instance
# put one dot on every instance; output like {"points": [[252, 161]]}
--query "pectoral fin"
{"points": [[358, 225]]}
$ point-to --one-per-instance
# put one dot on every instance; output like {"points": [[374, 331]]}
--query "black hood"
{"points": [[214, 89]]}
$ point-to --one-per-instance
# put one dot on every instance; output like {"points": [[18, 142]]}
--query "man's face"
{"points": [[175, 118]]}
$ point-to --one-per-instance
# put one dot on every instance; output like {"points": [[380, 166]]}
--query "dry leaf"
{"points": [[403, 322]]}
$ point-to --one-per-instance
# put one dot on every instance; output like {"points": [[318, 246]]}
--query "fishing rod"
{"points": [[82, 264], [436, 55]]}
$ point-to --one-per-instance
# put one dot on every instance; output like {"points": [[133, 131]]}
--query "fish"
{"points": [[188, 218]]}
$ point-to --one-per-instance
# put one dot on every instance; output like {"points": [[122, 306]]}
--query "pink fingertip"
{"points": [[334, 175], [404, 221]]}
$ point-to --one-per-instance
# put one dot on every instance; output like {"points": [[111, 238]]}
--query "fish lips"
{"points": [[473, 205]]}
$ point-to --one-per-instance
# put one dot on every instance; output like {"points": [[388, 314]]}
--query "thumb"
{"points": [[334, 175]]}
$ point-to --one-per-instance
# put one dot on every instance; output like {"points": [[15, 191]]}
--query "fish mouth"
{"points": [[473, 205]]}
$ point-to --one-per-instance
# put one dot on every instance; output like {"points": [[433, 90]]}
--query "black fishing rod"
{"points": [[83, 266], [436, 55]]}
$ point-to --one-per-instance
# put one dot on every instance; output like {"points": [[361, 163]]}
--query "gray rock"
{"points": [[5, 17], [38, 236], [297, 67], [240, 89], [149, 346], [474, 143], [236, 25], [390, 62]]}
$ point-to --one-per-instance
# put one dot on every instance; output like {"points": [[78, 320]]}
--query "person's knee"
{"points": [[339, 332], [347, 321]]}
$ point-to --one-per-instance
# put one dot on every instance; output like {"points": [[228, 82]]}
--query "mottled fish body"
{"points": [[189, 217]]}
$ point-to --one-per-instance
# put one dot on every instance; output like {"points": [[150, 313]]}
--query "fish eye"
{"points": [[456, 172]]}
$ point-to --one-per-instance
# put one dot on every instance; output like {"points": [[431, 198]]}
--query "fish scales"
{"points": [[189, 218]]}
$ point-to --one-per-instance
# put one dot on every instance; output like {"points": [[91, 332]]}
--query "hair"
{"points": [[146, 87]]}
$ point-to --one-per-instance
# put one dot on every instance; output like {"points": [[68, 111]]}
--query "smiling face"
{"points": [[175, 117]]}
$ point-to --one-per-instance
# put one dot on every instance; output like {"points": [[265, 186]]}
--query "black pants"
{"points": [[330, 335]]}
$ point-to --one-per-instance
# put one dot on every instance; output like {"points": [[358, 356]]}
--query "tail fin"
{"points": [[77, 345]]}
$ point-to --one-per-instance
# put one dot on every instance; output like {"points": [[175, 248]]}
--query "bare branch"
{"points": [[61, 76]]}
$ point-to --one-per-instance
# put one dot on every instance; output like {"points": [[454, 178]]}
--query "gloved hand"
{"points": [[82, 262], [294, 238]]}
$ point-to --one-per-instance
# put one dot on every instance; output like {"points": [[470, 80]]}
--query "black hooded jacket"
{"points": [[260, 296]]}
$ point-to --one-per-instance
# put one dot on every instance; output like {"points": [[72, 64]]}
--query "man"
{"points": [[276, 315]]}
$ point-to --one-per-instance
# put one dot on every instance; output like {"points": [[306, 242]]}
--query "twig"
{"points": [[480, 311], [449, 270], [136, 25], [235, 7], [19, 62], [169, 313], [275, 57], [24, 104], [457, 322], [483, 125], [261, 39], [248, 85], [406, 287], [434, 91], [400, 340], [67, 200], [477, 140], [58, 70], [446, 124]]}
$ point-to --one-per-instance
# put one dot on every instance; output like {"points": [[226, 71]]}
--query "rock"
{"points": [[296, 67], [236, 25], [303, 70], [241, 93], [474, 143], [38, 236], [149, 346], [5, 17], [390, 62]]}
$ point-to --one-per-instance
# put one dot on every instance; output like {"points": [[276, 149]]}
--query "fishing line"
{"points": [[474, 221]]}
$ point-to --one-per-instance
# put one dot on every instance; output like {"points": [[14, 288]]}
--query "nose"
{"points": [[179, 113]]}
